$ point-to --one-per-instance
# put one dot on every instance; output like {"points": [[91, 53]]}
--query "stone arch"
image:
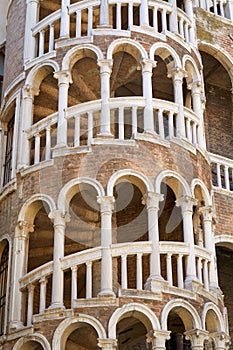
{"points": [[182, 187], [225, 240], [29, 203], [36, 337], [39, 72], [214, 321], [164, 51], [76, 52], [185, 311], [68, 190], [220, 54], [124, 174], [66, 327], [191, 68], [140, 311], [205, 192], [130, 46]]}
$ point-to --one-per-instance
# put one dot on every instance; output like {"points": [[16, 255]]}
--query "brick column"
{"points": [[20, 258], [147, 66], [60, 221], [197, 338], [64, 79], [186, 203], [106, 207]]}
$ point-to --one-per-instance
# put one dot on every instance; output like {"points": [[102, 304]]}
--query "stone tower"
{"points": [[116, 180]]}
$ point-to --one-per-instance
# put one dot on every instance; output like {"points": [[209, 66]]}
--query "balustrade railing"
{"points": [[222, 172], [84, 16], [130, 270], [221, 8], [192, 124]]}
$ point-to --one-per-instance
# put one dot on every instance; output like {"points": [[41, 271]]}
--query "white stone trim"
{"points": [[220, 327], [66, 191], [66, 327], [67, 62], [169, 173], [194, 320], [36, 197], [36, 70], [8, 188], [128, 172], [40, 60], [36, 337], [187, 58], [164, 46], [13, 84], [206, 194], [226, 239], [124, 41], [144, 313]]}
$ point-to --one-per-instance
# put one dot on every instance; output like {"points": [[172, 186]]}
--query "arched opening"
{"points": [[224, 253], [162, 86], [85, 87], [83, 336], [46, 8], [177, 327], [198, 226], [218, 112], [4, 262], [29, 345], [82, 232], [131, 334], [2, 57], [212, 322]]}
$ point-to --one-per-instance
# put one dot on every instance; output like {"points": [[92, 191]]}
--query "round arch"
{"points": [[124, 173], [220, 54], [69, 189], [36, 337], [73, 55], [67, 326], [127, 43], [195, 74], [163, 49], [185, 311], [39, 72], [35, 198], [216, 319], [205, 192], [169, 174], [139, 311]]}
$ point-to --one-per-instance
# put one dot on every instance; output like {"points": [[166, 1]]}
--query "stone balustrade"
{"points": [[222, 171]]}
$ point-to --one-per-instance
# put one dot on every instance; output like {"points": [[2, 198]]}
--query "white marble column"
{"points": [[197, 338], [196, 91], [59, 222], [26, 123], [173, 22], [32, 16], [207, 217], [186, 203], [188, 5], [106, 208], [104, 14], [221, 340], [64, 79], [177, 75], [147, 68], [19, 269], [158, 338], [15, 145], [107, 344], [152, 200], [105, 74], [65, 20]]}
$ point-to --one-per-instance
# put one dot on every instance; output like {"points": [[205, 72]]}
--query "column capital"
{"points": [[177, 74], [29, 92], [106, 204], [152, 200], [148, 65], [30, 1], [63, 77], [30, 287], [197, 338], [105, 65], [59, 217], [207, 213], [221, 340], [24, 228], [186, 203], [158, 338], [196, 87], [107, 344]]}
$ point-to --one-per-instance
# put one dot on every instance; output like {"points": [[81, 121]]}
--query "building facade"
{"points": [[116, 177]]}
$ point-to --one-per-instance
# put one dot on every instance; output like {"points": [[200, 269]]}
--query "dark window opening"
{"points": [[8, 155], [3, 286]]}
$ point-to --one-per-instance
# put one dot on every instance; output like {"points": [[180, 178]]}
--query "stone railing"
{"points": [[222, 172], [130, 270], [127, 115], [223, 8], [84, 18]]}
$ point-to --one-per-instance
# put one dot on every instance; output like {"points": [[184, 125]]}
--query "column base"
{"points": [[56, 306], [155, 284], [105, 135], [15, 325], [108, 293], [191, 283]]}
